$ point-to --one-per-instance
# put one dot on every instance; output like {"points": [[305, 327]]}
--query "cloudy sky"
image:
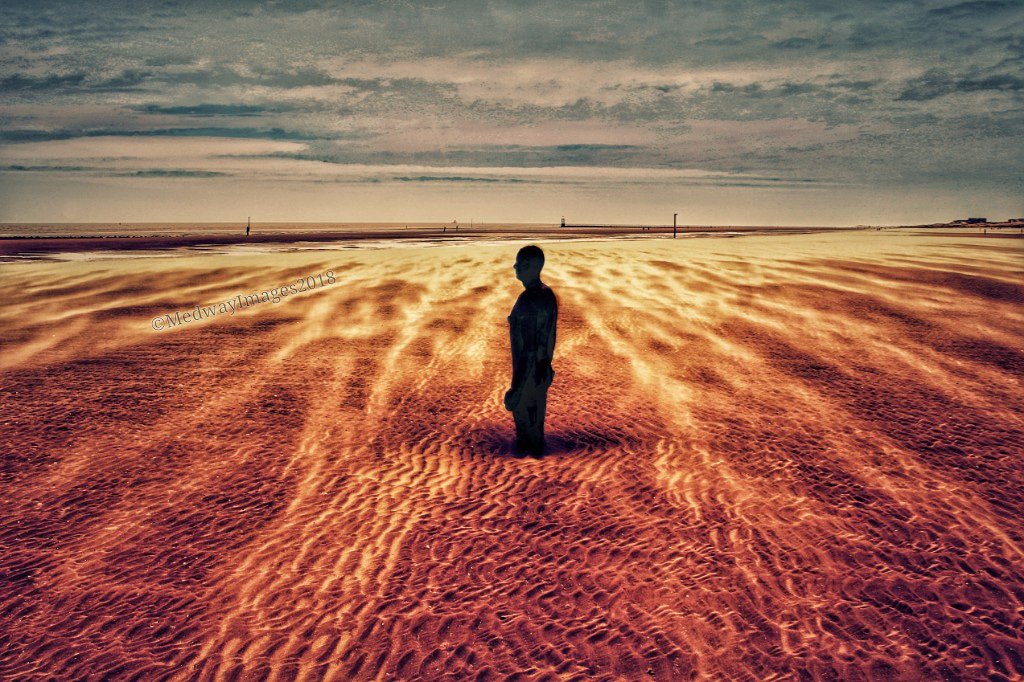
{"points": [[733, 111]]}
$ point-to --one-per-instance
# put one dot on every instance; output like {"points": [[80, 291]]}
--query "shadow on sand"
{"points": [[498, 440]]}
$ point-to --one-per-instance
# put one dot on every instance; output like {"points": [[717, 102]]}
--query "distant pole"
{"points": [[674, 216]]}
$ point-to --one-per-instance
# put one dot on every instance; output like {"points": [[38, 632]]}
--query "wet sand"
{"points": [[35, 240], [975, 235], [772, 457]]}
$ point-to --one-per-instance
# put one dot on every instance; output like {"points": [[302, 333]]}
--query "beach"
{"points": [[771, 456]]}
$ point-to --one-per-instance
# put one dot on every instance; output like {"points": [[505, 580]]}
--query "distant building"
{"points": [[976, 221], [1015, 220]]}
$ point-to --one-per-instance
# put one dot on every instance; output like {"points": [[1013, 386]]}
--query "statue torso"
{"points": [[534, 311]]}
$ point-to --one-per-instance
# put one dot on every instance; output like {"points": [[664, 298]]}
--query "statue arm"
{"points": [[512, 395], [516, 338], [552, 325], [546, 342]]}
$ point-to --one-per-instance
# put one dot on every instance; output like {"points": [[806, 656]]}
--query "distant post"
{"points": [[674, 216]]}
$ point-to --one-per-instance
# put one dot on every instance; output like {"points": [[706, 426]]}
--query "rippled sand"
{"points": [[773, 457]]}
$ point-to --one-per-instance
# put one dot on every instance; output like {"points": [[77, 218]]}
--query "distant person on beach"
{"points": [[532, 333]]}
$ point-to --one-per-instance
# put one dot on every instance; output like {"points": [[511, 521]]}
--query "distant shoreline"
{"points": [[219, 234], [40, 244], [24, 230]]}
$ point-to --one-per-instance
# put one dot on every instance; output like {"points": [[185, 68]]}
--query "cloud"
{"points": [[974, 8], [935, 83], [205, 109], [108, 172], [300, 77], [451, 178], [126, 80], [172, 173], [795, 43], [70, 82], [18, 82], [209, 131], [857, 85], [595, 147], [46, 168], [116, 151]]}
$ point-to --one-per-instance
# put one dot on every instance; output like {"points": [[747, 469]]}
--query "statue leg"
{"points": [[529, 416], [537, 427], [522, 428]]}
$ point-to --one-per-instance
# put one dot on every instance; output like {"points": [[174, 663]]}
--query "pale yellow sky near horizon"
{"points": [[97, 199]]}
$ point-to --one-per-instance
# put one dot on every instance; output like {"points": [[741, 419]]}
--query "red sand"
{"points": [[772, 458]]}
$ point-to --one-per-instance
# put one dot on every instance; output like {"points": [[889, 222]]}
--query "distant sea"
{"points": [[210, 229]]}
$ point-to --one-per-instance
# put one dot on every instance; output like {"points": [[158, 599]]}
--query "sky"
{"points": [[726, 112]]}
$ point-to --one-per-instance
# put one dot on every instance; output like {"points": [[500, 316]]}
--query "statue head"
{"points": [[529, 262]]}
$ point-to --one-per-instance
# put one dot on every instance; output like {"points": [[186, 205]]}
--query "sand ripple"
{"points": [[767, 463]]}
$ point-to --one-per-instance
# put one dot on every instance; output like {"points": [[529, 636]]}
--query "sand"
{"points": [[772, 457]]}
